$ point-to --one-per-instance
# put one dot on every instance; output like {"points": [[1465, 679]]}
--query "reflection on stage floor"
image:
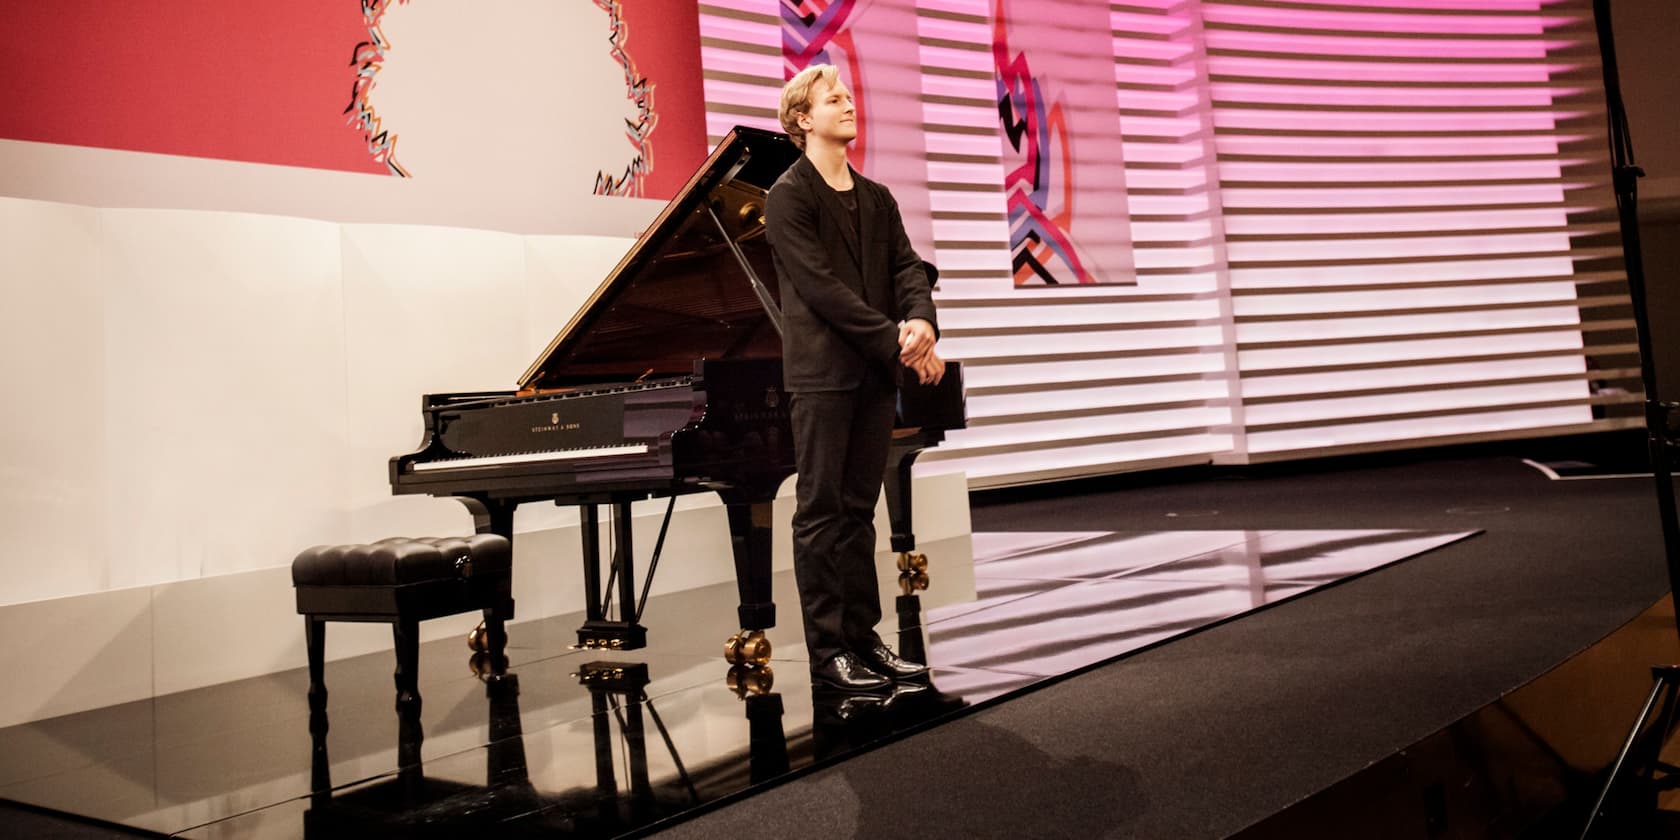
{"points": [[599, 743]]}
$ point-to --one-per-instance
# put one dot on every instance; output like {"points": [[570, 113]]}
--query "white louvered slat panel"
{"points": [[1431, 402], [1350, 226], [741, 56], [1345, 329], [1523, 421], [1257, 389], [1021, 465], [1403, 144], [1051, 369]]}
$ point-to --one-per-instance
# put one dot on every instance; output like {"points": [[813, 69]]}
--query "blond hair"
{"points": [[796, 98]]}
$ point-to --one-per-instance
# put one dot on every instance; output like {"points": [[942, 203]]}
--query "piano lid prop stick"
{"points": [[770, 307]]}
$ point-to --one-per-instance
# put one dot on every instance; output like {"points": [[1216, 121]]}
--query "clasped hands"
{"points": [[915, 351]]}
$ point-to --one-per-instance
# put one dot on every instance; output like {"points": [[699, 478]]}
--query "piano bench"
{"points": [[402, 581]]}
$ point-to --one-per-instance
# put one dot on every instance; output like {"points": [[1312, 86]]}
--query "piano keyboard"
{"points": [[532, 457]]}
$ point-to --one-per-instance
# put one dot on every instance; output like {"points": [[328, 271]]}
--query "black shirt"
{"points": [[849, 200]]}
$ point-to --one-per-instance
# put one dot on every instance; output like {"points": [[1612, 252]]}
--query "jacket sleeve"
{"points": [[910, 283], [790, 226]]}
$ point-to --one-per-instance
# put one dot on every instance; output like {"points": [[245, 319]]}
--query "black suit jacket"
{"points": [[842, 296]]}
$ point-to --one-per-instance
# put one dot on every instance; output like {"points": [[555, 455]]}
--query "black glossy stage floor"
{"points": [[1116, 676]]}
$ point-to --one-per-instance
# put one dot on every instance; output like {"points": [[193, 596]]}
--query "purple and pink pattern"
{"points": [[1040, 204], [815, 32]]}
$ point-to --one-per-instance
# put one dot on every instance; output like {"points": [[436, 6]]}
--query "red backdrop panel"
{"points": [[265, 82], [664, 39]]}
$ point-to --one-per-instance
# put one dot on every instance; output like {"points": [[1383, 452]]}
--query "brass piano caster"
{"points": [[912, 562], [479, 639], [748, 647], [910, 583], [487, 667], [747, 679]]}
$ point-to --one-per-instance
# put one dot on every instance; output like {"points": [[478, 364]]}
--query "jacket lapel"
{"points": [[866, 216]]}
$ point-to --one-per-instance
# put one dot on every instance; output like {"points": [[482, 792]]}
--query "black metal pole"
{"points": [[1625, 175], [1622, 757]]}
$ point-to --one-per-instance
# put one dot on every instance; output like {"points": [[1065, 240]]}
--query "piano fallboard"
{"points": [[596, 418], [726, 423]]}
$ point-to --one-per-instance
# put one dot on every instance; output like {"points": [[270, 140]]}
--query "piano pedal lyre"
{"points": [[479, 639], [748, 647]]}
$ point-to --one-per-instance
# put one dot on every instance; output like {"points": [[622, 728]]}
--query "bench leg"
{"points": [[406, 633], [315, 643], [410, 736], [495, 630]]}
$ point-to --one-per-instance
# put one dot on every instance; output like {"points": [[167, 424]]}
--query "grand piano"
{"points": [[666, 382]]}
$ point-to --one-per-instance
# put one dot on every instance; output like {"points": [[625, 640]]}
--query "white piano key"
{"points": [[532, 457]]}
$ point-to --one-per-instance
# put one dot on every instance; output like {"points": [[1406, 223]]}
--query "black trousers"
{"points": [[840, 443]]}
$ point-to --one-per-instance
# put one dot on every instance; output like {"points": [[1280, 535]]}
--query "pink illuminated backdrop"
{"points": [[1168, 231], [1346, 227]]}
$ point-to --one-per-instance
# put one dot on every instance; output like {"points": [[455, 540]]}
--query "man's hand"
{"points": [[915, 340], [929, 368]]}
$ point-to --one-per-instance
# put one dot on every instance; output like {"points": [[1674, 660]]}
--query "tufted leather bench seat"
{"points": [[402, 581]]}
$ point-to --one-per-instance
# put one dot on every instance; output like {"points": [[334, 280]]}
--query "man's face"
{"points": [[832, 117]]}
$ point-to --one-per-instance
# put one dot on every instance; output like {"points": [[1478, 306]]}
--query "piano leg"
{"points": [[490, 516], [911, 643], [767, 745], [900, 458], [912, 564], [749, 532]]}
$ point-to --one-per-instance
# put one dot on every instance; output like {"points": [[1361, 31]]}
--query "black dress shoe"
{"points": [[846, 708], [882, 660], [848, 673]]}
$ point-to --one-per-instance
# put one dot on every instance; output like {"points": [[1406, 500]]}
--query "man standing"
{"points": [[856, 307]]}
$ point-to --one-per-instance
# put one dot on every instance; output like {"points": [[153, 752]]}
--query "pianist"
{"points": [[856, 311]]}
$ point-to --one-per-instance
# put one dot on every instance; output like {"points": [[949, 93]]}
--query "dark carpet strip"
{"points": [[1210, 734], [27, 822]]}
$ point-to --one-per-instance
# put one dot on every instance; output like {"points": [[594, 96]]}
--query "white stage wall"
{"points": [[214, 391], [198, 390]]}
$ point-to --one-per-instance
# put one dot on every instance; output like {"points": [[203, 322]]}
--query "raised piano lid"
{"points": [[679, 294]]}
